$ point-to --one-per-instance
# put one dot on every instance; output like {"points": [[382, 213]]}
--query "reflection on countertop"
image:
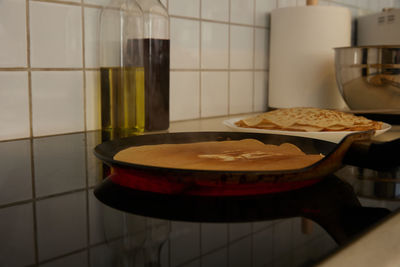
{"points": [[50, 216]]}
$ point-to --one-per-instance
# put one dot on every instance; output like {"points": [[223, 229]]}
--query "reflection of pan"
{"points": [[331, 203], [200, 182]]}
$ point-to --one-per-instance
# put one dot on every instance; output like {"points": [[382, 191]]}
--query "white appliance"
{"points": [[381, 28], [301, 56]]}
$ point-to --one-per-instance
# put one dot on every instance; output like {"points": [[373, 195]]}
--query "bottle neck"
{"points": [[152, 6], [156, 19]]}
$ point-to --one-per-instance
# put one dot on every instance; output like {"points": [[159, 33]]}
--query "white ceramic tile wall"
{"points": [[49, 60], [214, 87], [185, 45], [55, 35], [92, 100], [13, 44], [242, 12], [263, 8], [92, 16], [15, 171], [241, 48], [184, 85], [185, 235], [94, 166], [187, 8], [217, 258], [107, 224], [214, 45], [14, 105], [215, 10], [260, 94], [57, 102], [16, 227], [263, 247], [282, 238], [76, 260], [261, 49], [213, 236], [97, 213], [61, 225], [68, 155], [101, 256], [259, 226], [240, 99], [239, 230], [239, 253]]}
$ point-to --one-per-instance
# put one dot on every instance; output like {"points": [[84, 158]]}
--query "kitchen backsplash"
{"points": [[49, 81]]}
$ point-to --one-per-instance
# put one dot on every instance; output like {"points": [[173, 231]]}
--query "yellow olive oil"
{"points": [[122, 100]]}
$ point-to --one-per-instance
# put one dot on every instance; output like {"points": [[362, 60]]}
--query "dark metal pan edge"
{"points": [[331, 162]]}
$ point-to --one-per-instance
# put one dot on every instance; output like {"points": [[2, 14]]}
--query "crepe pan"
{"points": [[355, 149]]}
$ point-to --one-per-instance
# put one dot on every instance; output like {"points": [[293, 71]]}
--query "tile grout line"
{"points": [[63, 256], [77, 251], [200, 62], [58, 2], [217, 21], [83, 66], [228, 243], [66, 2], [254, 57], [13, 68], [34, 200], [41, 69], [87, 192], [28, 67], [79, 190], [169, 33], [220, 70], [89, 5], [252, 247], [200, 240], [16, 203], [32, 162], [97, 69], [85, 136], [27, 201], [229, 59]]}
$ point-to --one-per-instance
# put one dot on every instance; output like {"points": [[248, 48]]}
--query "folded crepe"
{"points": [[309, 120]]}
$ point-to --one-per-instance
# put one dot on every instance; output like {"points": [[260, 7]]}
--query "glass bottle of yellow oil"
{"points": [[122, 69]]}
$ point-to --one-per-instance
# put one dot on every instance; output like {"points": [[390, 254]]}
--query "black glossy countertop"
{"points": [[49, 215]]}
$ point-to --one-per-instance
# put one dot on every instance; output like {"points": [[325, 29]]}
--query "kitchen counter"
{"points": [[50, 216]]}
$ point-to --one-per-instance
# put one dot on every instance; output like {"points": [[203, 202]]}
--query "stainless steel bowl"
{"points": [[369, 77]]}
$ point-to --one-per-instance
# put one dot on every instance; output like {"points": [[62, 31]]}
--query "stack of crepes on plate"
{"points": [[309, 120]]}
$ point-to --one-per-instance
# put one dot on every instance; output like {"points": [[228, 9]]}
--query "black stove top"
{"points": [[50, 216]]}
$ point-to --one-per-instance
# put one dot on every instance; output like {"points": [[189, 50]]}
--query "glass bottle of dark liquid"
{"points": [[121, 69], [156, 47]]}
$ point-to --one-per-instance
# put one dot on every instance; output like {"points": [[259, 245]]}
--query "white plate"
{"points": [[327, 136]]}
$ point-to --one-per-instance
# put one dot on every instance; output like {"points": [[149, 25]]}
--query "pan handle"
{"points": [[374, 155]]}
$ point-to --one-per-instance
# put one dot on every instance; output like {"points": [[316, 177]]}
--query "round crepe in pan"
{"points": [[238, 155]]}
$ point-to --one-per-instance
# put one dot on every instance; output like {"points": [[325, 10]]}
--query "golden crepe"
{"points": [[239, 155], [309, 120]]}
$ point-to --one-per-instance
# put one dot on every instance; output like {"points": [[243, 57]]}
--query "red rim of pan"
{"points": [[151, 183]]}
